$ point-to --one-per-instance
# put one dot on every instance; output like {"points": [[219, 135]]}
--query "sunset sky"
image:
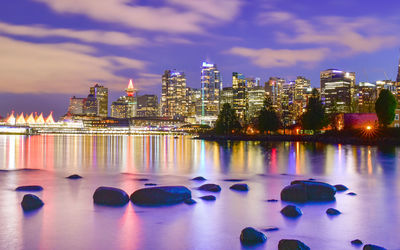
{"points": [[53, 49]]}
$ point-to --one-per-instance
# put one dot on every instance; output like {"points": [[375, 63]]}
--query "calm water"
{"points": [[70, 220]]}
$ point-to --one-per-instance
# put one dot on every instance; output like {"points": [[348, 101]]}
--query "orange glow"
{"points": [[130, 90], [50, 118], [368, 127], [20, 119], [11, 118], [30, 119]]}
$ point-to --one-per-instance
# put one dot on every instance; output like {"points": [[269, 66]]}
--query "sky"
{"points": [[51, 50]]}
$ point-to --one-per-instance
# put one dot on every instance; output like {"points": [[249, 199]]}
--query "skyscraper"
{"points": [[366, 97], [301, 90], [398, 73], [211, 87], [174, 102], [147, 106], [131, 97], [255, 100], [125, 106], [274, 89], [239, 95], [101, 94], [76, 106]]}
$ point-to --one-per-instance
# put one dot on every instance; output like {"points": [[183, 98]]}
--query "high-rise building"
{"points": [[226, 96], [76, 106], [194, 103], [90, 105], [211, 87], [385, 84], [126, 106], [302, 89], [132, 100], [174, 102], [366, 97], [338, 90], [288, 109], [253, 82], [255, 100], [239, 95], [273, 89], [398, 74], [101, 94], [147, 106]]}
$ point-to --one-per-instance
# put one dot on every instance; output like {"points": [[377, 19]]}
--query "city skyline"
{"points": [[272, 39]]}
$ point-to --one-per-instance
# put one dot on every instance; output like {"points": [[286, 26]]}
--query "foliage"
{"points": [[227, 122], [268, 119], [314, 118], [385, 107]]}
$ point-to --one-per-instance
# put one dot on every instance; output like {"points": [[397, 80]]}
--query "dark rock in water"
{"points": [[190, 201], [303, 191], [272, 200], [199, 178], [292, 245], [340, 187], [352, 194], [356, 242], [233, 180], [373, 247], [332, 211], [270, 229], [210, 187], [208, 198], [156, 196], [311, 179], [291, 211], [74, 177], [250, 236], [31, 202], [29, 188], [240, 187], [110, 196], [141, 179], [150, 184]]}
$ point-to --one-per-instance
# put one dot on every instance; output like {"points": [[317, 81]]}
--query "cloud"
{"points": [[268, 58], [176, 16], [58, 68]]}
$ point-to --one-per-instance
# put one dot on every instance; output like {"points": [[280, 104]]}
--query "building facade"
{"points": [[255, 100], [239, 95], [174, 101], [211, 87], [274, 89], [101, 94], [366, 97], [76, 105], [147, 106]]}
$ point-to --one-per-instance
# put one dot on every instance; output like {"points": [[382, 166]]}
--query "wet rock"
{"points": [[340, 187], [240, 187], [311, 179], [210, 188], [150, 184], [29, 188], [303, 191], [352, 194], [272, 200], [189, 201], [270, 229], [292, 245], [373, 247], [199, 178], [141, 179], [250, 236], [74, 177], [291, 211], [110, 196], [356, 242], [156, 196], [208, 198], [31, 202], [332, 211], [234, 180]]}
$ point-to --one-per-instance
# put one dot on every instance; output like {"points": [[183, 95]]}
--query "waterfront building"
{"points": [[253, 82], [76, 105], [338, 90], [101, 95], [147, 106], [90, 105], [255, 100], [239, 95], [287, 107], [125, 106], [174, 101], [366, 97], [194, 105], [273, 89], [226, 96], [211, 87]]}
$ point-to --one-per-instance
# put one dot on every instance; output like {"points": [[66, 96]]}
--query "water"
{"points": [[70, 220]]}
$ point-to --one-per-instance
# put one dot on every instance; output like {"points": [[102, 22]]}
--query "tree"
{"points": [[268, 119], [314, 118], [385, 107], [227, 122]]}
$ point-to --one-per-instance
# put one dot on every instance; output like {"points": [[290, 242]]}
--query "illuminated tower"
{"points": [[398, 74], [174, 99], [101, 94], [211, 88], [131, 98], [239, 95], [125, 106]]}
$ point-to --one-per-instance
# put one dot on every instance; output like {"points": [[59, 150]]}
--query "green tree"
{"points": [[268, 119], [227, 122], [385, 107], [314, 118]]}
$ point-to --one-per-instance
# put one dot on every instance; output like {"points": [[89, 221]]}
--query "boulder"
{"points": [[74, 177], [110, 196], [31, 202], [210, 188], [250, 236], [352, 194], [189, 201], [29, 188], [150, 184], [156, 196], [340, 187], [292, 245], [141, 179], [208, 198], [199, 178], [303, 191], [356, 242], [270, 229], [291, 211], [373, 247], [332, 211], [272, 200], [240, 187]]}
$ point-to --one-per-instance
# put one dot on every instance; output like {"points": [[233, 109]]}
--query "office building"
{"points": [[174, 102], [273, 89], [239, 95], [147, 106], [211, 87], [255, 100], [76, 106], [366, 97], [101, 94]]}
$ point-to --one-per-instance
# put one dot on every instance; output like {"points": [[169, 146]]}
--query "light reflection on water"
{"points": [[70, 220]]}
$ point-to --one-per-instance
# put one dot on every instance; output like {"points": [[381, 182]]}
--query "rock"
{"points": [[210, 188], [340, 187], [240, 187], [156, 196], [270, 229], [150, 184], [29, 188], [141, 179], [208, 198], [31, 202], [189, 201], [272, 200], [332, 211], [352, 194], [311, 179], [250, 236], [291, 211], [74, 177], [234, 180], [292, 245], [199, 178], [373, 247], [303, 191], [110, 196], [356, 242]]}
